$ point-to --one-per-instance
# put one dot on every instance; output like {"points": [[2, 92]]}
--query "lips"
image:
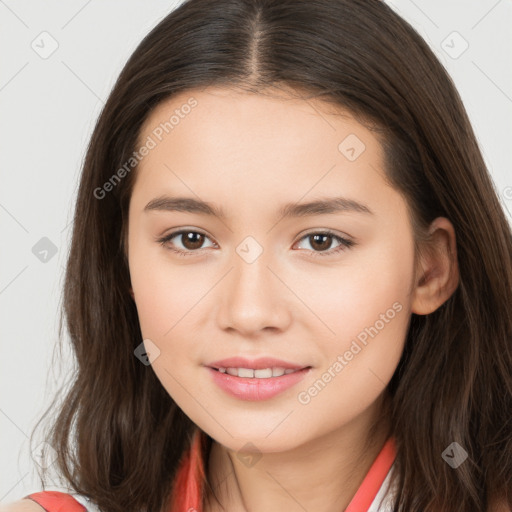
{"points": [[248, 379], [256, 389]]}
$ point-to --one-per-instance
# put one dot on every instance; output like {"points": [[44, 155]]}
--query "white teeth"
{"points": [[245, 372], [264, 373], [261, 374]]}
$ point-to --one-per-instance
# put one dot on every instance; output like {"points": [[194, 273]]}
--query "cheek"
{"points": [[368, 308], [165, 298], [164, 291], [372, 282], [169, 297]]}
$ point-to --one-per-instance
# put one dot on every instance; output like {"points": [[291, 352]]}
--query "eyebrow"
{"points": [[320, 206]]}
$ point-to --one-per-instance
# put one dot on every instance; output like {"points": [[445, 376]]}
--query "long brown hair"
{"points": [[118, 434]]}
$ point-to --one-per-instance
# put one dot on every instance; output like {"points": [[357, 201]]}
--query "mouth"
{"points": [[260, 373], [256, 380], [261, 368]]}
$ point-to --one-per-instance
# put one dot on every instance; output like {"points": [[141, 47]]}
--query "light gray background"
{"points": [[48, 109]]}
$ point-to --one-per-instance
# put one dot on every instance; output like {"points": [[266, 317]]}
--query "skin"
{"points": [[250, 154]]}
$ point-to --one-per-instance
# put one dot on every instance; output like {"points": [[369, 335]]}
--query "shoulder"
{"points": [[50, 501], [24, 505]]}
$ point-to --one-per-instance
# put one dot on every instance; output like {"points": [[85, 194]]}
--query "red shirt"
{"points": [[191, 472]]}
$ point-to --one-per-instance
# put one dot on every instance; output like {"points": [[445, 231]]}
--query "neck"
{"points": [[311, 476]]}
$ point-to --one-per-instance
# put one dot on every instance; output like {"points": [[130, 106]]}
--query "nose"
{"points": [[253, 298]]}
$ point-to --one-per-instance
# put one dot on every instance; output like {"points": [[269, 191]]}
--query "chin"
{"points": [[252, 438]]}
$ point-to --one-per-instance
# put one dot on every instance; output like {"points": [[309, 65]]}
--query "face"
{"points": [[322, 289]]}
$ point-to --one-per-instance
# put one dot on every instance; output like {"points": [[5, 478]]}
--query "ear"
{"points": [[437, 272], [131, 293]]}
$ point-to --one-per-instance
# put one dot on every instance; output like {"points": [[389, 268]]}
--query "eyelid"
{"points": [[326, 231]]}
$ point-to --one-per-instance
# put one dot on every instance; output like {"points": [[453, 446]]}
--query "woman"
{"points": [[334, 330]]}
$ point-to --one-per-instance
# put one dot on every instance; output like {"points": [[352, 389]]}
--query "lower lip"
{"points": [[245, 388]]}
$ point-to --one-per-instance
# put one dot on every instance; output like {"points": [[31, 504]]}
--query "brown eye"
{"points": [[321, 242], [190, 241]]}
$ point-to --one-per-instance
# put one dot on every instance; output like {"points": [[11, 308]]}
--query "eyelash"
{"points": [[344, 243]]}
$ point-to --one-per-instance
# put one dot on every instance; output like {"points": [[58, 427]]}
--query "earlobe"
{"points": [[438, 274]]}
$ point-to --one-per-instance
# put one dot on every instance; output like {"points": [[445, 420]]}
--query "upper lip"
{"points": [[255, 364]]}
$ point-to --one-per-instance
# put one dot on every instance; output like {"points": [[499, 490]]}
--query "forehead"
{"points": [[254, 149]]}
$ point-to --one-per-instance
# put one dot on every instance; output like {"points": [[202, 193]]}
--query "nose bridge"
{"points": [[253, 298], [251, 273]]}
